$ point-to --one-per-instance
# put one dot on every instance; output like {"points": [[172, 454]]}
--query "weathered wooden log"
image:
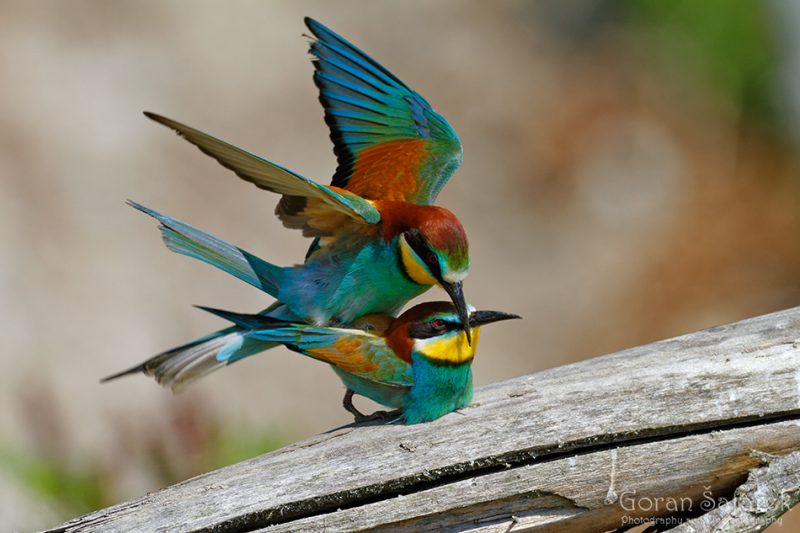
{"points": [[657, 431], [756, 504]]}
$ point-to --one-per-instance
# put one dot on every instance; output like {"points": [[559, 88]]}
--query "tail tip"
{"points": [[135, 370]]}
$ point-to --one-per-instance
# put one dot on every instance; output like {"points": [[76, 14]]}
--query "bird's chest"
{"points": [[375, 280], [438, 389]]}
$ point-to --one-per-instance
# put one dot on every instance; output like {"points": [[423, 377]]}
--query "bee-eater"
{"points": [[419, 363], [377, 242]]}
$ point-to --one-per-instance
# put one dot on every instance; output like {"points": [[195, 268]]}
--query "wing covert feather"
{"points": [[358, 352]]}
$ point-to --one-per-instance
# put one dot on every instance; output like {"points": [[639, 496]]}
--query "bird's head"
{"points": [[436, 252], [436, 331]]}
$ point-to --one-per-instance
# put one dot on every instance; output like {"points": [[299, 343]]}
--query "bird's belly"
{"points": [[381, 393]]}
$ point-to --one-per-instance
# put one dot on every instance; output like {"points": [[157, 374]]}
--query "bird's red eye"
{"points": [[431, 258], [438, 323]]}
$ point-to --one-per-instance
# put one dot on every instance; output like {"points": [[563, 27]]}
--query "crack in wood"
{"points": [[426, 480], [758, 502]]}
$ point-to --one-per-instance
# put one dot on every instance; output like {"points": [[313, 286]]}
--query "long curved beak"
{"points": [[456, 292], [481, 318]]}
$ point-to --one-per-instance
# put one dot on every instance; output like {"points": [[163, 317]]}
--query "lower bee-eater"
{"points": [[419, 363]]}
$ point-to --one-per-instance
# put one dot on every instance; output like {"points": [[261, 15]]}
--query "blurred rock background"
{"points": [[630, 174]]}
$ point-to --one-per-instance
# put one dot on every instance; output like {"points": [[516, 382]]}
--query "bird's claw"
{"points": [[378, 415]]}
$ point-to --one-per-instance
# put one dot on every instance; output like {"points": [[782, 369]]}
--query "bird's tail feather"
{"points": [[248, 321], [187, 240], [181, 366]]}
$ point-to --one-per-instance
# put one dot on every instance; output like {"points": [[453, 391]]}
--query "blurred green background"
{"points": [[630, 173]]}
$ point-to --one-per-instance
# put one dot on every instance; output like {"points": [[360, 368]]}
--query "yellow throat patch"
{"points": [[415, 269], [451, 348]]}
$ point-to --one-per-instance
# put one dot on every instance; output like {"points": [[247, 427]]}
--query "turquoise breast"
{"points": [[439, 388]]}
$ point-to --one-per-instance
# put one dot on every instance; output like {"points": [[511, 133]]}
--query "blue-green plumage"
{"points": [[364, 275]]}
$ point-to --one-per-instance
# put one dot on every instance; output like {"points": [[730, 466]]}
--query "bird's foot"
{"points": [[381, 415]]}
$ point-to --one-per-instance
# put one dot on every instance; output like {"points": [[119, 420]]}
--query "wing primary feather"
{"points": [[270, 176], [349, 50], [381, 97], [345, 68]]}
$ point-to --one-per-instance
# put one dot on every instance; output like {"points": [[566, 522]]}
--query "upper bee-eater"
{"points": [[377, 241], [419, 363]]}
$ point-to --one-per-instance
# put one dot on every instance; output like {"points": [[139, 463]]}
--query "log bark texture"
{"points": [[656, 431]]}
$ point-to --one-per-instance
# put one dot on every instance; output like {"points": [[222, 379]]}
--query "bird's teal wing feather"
{"points": [[269, 176], [389, 142]]}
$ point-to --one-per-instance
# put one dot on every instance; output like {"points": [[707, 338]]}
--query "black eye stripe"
{"points": [[417, 243], [425, 330], [415, 240], [421, 330]]}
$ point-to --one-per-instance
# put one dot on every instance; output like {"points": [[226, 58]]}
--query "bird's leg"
{"points": [[360, 417], [347, 403]]}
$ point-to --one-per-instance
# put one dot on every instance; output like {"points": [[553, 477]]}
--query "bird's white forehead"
{"points": [[451, 276]]}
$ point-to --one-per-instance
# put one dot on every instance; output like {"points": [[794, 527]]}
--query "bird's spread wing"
{"points": [[389, 142], [306, 205]]}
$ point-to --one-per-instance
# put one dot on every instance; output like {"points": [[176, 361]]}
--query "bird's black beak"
{"points": [[456, 293], [481, 318]]}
